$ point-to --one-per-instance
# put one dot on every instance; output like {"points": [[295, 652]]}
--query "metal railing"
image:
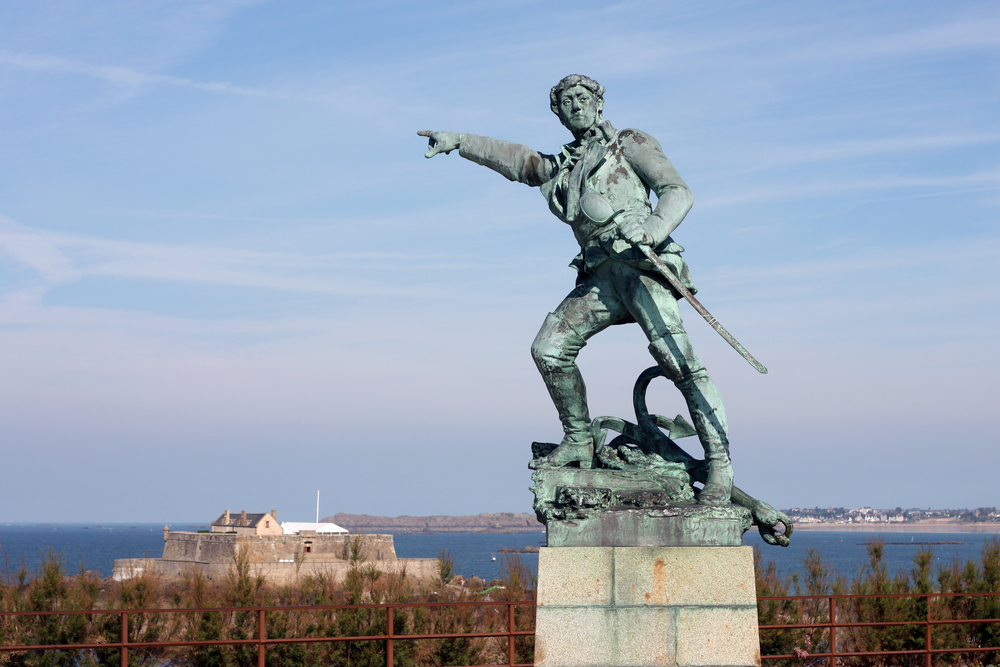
{"points": [[262, 642], [840, 645], [838, 621]]}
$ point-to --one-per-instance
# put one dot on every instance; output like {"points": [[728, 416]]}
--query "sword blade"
{"points": [[714, 323]]}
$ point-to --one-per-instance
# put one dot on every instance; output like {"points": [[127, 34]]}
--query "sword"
{"points": [[714, 323], [599, 210]]}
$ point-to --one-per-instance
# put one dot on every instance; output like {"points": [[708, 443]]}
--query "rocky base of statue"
{"points": [[640, 490], [613, 508]]}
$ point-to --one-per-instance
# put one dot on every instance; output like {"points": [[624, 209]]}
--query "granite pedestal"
{"points": [[646, 607], [632, 579]]}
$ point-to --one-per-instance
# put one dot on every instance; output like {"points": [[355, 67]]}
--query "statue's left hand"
{"points": [[635, 233], [767, 518], [440, 142]]}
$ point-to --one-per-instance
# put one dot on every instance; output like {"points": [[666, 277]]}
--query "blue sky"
{"points": [[228, 277]]}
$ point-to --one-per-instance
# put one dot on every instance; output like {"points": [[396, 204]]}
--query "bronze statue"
{"points": [[599, 184]]}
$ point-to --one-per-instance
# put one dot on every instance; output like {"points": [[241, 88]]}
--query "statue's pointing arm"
{"points": [[515, 161], [674, 199]]}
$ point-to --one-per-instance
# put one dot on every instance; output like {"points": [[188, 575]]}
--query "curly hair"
{"points": [[570, 81]]}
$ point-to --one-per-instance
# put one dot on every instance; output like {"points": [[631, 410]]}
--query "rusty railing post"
{"points": [[389, 657], [928, 634], [833, 632], [511, 626], [124, 651], [261, 636]]}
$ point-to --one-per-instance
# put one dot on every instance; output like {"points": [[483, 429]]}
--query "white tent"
{"points": [[295, 527]]}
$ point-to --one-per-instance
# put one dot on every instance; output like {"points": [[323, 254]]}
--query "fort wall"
{"points": [[280, 558], [420, 569], [218, 547]]}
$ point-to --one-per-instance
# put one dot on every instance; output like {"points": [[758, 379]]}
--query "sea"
{"points": [[95, 547]]}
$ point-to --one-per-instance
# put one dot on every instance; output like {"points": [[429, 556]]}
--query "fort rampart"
{"points": [[280, 558], [218, 547]]}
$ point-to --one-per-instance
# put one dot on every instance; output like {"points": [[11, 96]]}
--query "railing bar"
{"points": [[124, 649], [261, 636], [848, 624], [330, 607], [453, 635], [389, 658], [273, 640], [833, 632], [927, 633], [502, 633], [112, 645], [83, 646], [856, 596], [60, 647], [303, 640], [193, 642], [858, 654], [511, 626], [977, 649]]}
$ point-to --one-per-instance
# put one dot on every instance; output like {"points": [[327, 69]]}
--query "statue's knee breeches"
{"points": [[681, 365], [676, 357], [556, 346]]}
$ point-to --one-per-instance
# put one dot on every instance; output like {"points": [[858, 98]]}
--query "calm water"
{"points": [[844, 552], [97, 546]]}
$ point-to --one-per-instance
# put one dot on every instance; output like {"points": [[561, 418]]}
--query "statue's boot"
{"points": [[718, 489], [679, 363], [555, 350]]}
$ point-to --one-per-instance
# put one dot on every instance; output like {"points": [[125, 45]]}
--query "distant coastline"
{"points": [[914, 527], [500, 522], [523, 522]]}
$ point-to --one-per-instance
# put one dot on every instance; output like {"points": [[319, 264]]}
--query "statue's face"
{"points": [[579, 109]]}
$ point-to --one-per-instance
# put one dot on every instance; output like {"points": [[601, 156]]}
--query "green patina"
{"points": [[630, 270], [639, 490]]}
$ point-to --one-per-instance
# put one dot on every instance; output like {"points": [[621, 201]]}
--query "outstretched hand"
{"points": [[440, 142]]}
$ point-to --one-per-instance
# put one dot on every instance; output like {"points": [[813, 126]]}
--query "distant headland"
{"points": [[501, 522], [980, 520]]}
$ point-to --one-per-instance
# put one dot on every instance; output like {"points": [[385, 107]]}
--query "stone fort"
{"points": [[280, 554]]}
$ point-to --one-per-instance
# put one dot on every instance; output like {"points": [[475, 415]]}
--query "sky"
{"points": [[230, 279]]}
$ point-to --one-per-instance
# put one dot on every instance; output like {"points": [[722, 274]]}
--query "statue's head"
{"points": [[578, 101]]}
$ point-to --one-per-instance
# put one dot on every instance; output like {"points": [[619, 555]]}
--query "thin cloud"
{"points": [[965, 34], [61, 257], [125, 76], [953, 253], [988, 180], [38, 252], [778, 156]]}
